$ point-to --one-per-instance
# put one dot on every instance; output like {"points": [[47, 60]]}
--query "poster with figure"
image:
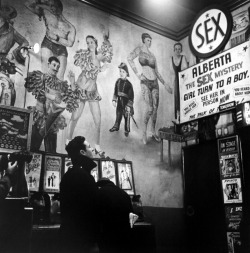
{"points": [[125, 176], [233, 242], [33, 172], [15, 126], [52, 173], [108, 170], [229, 165], [232, 190], [95, 171]]}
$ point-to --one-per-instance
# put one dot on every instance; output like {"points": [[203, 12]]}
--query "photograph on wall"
{"points": [[240, 32], [232, 191], [108, 170], [233, 242], [67, 164], [33, 172], [125, 176], [52, 174], [229, 166], [15, 128], [94, 172], [233, 217]]}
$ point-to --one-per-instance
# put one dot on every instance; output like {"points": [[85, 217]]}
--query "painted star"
{"points": [[245, 48], [182, 76], [207, 15], [211, 47]]}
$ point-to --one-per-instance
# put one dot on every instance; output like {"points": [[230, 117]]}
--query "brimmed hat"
{"points": [[103, 181], [124, 67], [8, 12]]}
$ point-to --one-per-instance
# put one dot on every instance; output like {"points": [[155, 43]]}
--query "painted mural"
{"points": [[93, 69]]}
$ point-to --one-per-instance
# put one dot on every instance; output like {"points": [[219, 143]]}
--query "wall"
{"points": [[159, 184]]}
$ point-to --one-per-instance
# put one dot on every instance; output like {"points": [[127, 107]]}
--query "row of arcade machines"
{"points": [[217, 190]]}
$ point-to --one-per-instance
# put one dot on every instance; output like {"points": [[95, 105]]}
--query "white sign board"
{"points": [[219, 80]]}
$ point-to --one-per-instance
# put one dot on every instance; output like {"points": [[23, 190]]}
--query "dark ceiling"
{"points": [[170, 18]]}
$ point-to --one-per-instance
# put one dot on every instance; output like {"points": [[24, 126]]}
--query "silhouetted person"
{"points": [[114, 206], [78, 192]]}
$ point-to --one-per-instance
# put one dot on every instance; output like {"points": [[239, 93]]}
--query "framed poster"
{"points": [[232, 191], [95, 172], [233, 217], [125, 177], [52, 173], [229, 165], [108, 170], [33, 172], [15, 128]]}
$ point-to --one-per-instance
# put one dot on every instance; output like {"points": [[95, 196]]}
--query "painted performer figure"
{"points": [[92, 62], [53, 97], [149, 83], [123, 100], [177, 64], [60, 33]]}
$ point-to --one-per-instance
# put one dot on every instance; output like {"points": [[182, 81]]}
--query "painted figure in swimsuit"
{"points": [[91, 61], [60, 33], [149, 83], [177, 64]]}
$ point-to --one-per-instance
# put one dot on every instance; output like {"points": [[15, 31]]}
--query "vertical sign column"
{"points": [[231, 182]]}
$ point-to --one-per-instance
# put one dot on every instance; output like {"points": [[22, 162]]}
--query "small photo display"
{"points": [[232, 191], [233, 242], [94, 172], [33, 172], [52, 175], [229, 165], [108, 170], [125, 176]]}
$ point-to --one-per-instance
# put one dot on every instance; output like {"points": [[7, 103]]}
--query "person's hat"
{"points": [[124, 67], [8, 12]]}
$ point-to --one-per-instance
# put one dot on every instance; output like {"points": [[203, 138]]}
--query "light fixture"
{"points": [[35, 48]]}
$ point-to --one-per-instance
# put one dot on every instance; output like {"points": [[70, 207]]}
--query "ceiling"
{"points": [[170, 18]]}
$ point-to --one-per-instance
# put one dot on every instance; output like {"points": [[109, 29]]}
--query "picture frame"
{"points": [[95, 172], [67, 163], [15, 128], [108, 170], [126, 177], [33, 172], [52, 173]]}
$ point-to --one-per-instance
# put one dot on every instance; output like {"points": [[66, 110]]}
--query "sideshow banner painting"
{"points": [[33, 172], [233, 217], [125, 176], [108, 170], [15, 128], [232, 190], [215, 84], [94, 172], [52, 175]]}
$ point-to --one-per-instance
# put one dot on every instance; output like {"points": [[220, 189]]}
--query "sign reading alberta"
{"points": [[219, 80]]}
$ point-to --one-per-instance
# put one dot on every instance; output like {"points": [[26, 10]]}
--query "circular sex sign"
{"points": [[210, 31]]}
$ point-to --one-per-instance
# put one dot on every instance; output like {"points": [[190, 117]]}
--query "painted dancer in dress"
{"points": [[149, 83], [60, 33], [92, 62], [177, 64]]}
